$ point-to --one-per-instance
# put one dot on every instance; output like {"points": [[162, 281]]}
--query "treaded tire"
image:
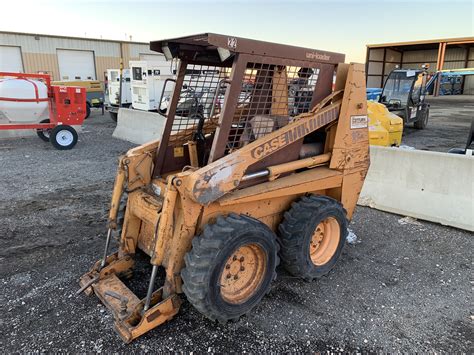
{"points": [[296, 232], [207, 260], [44, 134], [88, 110], [68, 133], [421, 124]]}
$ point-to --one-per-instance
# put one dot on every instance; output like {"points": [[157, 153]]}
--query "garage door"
{"points": [[76, 65], [152, 57], [10, 59]]}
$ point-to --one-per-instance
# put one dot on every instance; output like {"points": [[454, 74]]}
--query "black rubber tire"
{"points": [[297, 228], [423, 122], [88, 110], [41, 132], [55, 137], [113, 116], [206, 260]]}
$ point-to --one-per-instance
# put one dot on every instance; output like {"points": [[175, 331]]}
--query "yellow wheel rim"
{"points": [[324, 242], [243, 273]]}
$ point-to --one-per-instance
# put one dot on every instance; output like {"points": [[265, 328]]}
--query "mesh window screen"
{"points": [[201, 96], [271, 95]]}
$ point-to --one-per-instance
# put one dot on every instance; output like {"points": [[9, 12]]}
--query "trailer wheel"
{"points": [[88, 110], [44, 134], [113, 116], [63, 137], [312, 235], [423, 121], [230, 267]]}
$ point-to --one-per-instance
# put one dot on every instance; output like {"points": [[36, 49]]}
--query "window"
{"points": [[415, 96], [137, 73], [397, 87]]}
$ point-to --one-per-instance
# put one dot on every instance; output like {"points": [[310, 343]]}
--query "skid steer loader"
{"points": [[222, 197]]}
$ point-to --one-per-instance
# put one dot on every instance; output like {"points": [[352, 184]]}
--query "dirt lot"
{"points": [[448, 124], [404, 287]]}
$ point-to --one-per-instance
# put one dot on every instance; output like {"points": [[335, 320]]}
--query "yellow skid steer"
{"points": [[267, 171]]}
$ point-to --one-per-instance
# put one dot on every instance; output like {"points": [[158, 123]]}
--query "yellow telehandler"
{"points": [[268, 170]]}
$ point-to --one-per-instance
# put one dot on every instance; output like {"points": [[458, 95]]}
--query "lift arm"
{"points": [[222, 176]]}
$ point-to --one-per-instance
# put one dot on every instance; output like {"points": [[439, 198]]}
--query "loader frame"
{"points": [[173, 192]]}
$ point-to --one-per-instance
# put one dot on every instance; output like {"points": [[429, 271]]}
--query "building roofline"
{"points": [[427, 41], [70, 37]]}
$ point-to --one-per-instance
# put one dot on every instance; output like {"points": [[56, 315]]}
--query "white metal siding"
{"points": [[393, 56], [421, 56], [76, 65], [10, 59], [153, 57], [49, 45], [389, 67], [455, 54], [373, 81], [136, 49], [469, 85], [471, 54], [453, 65], [376, 54], [375, 68]]}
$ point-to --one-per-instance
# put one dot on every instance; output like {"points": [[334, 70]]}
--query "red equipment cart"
{"points": [[66, 106]]}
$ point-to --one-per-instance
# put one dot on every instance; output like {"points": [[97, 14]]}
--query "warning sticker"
{"points": [[358, 122], [178, 152]]}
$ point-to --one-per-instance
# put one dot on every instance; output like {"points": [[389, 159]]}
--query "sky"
{"points": [[344, 26]]}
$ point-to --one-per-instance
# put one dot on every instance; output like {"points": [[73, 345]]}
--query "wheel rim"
{"points": [[324, 242], [46, 132], [243, 273], [64, 138]]}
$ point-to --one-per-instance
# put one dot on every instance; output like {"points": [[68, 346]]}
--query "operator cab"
{"points": [[404, 95], [226, 97]]}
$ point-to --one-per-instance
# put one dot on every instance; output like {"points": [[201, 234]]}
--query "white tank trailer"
{"points": [[23, 100]]}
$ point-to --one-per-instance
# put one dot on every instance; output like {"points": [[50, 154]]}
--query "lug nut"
{"points": [[241, 258], [234, 258], [242, 268], [236, 277], [227, 266], [229, 276]]}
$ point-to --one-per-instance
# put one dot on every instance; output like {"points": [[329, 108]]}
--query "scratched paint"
{"points": [[212, 185]]}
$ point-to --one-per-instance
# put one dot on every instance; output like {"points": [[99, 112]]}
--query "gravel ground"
{"points": [[403, 287], [448, 125]]}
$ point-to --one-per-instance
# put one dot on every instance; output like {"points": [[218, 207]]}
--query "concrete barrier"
{"points": [[432, 186], [139, 127]]}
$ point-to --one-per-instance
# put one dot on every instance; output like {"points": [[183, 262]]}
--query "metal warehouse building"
{"points": [[67, 58], [440, 54]]}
